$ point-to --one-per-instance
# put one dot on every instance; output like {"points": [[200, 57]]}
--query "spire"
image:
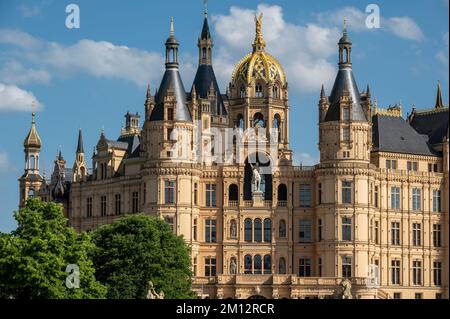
{"points": [[345, 48], [259, 44], [368, 90], [322, 92], [172, 48], [439, 103], [80, 147], [149, 93], [32, 140]]}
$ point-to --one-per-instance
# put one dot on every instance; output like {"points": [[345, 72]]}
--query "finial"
{"points": [[259, 42], [322, 91], [172, 27], [439, 103], [205, 4], [149, 94], [345, 26]]}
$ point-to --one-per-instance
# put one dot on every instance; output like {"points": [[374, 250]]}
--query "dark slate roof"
{"points": [[132, 141], [205, 30], [80, 148], [394, 134], [202, 82], [171, 80], [434, 124], [117, 144], [345, 81]]}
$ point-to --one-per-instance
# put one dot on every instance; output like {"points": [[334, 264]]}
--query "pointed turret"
{"points": [[205, 77], [439, 103], [80, 146], [345, 80], [171, 82]]}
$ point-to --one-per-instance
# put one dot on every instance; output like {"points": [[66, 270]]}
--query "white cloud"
{"points": [[29, 11], [5, 164], [403, 27], [14, 72], [101, 59], [13, 98], [304, 159], [20, 39], [302, 50]]}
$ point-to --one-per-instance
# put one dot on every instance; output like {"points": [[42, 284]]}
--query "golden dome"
{"points": [[259, 64], [32, 140]]}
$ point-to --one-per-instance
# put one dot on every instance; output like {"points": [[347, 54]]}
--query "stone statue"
{"points": [[345, 290], [256, 178], [151, 292], [233, 266], [258, 22], [233, 229]]}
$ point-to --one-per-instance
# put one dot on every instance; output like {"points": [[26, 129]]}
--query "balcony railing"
{"points": [[233, 203]]}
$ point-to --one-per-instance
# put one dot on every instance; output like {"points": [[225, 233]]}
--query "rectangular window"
{"points": [[395, 272], [416, 199], [437, 235], [397, 295], [319, 230], [194, 229], [412, 166], [417, 234], [305, 195], [170, 114], [436, 200], [305, 267], [210, 267], [305, 231], [346, 229], [395, 233], [395, 197], [319, 267], [169, 191], [346, 113], [438, 296], [377, 238], [391, 164], [376, 197], [210, 195], [194, 266], [346, 266], [89, 207], [418, 295], [135, 202], [437, 273], [417, 272], [346, 134], [346, 192], [117, 205], [210, 230], [169, 221], [195, 194], [145, 193], [319, 195], [103, 206]]}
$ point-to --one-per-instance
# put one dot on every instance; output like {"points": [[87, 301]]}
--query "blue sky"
{"points": [[91, 76]]}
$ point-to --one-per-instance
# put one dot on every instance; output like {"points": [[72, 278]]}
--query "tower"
{"points": [[31, 181], [259, 97], [345, 143], [80, 166]]}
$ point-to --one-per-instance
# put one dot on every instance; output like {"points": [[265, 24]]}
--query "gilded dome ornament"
{"points": [[259, 65]]}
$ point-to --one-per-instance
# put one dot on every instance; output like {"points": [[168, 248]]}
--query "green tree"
{"points": [[34, 257], [137, 249]]}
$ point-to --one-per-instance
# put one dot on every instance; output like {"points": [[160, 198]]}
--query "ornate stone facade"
{"points": [[374, 210]]}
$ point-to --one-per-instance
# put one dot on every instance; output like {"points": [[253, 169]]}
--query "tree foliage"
{"points": [[137, 249], [34, 257]]}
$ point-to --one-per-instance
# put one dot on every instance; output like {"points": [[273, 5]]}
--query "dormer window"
{"points": [[346, 134], [258, 91], [346, 113], [170, 114], [242, 92]]}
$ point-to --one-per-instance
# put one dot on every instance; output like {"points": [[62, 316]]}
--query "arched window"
{"points": [[258, 90], [282, 192], [267, 230], [204, 53], [233, 229], [258, 120], [32, 162], [282, 229], [257, 264], [267, 264], [240, 122], [258, 230], [247, 264], [233, 192], [275, 92], [242, 92], [31, 193], [282, 266], [276, 125], [266, 177], [248, 230]]}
